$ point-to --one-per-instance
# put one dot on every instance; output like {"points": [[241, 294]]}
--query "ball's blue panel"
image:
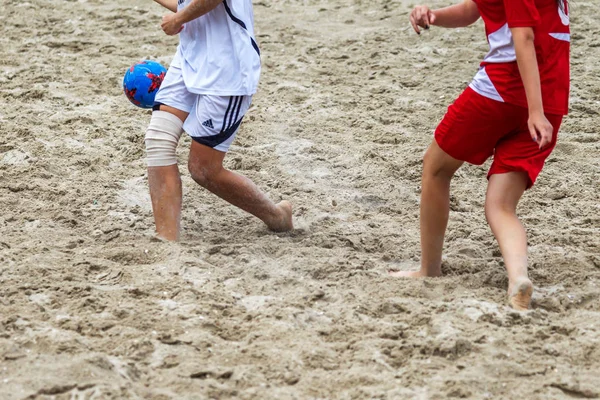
{"points": [[141, 82]]}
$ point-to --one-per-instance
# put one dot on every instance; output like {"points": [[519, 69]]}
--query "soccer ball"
{"points": [[141, 82]]}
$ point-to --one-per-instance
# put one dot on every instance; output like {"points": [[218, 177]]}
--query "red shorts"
{"points": [[475, 128]]}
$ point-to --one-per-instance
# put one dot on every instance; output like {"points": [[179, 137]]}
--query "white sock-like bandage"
{"points": [[161, 139]]}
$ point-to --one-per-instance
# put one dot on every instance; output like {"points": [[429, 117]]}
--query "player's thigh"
{"points": [[519, 153], [472, 126], [437, 162]]}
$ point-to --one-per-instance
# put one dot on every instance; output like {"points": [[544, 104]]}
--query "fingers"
{"points": [[414, 24], [171, 30], [425, 18], [421, 16], [533, 133], [541, 133], [169, 26], [163, 24], [546, 136]]}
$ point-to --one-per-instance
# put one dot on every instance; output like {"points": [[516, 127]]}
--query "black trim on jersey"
{"points": [[233, 17], [241, 23], [215, 140], [255, 46]]}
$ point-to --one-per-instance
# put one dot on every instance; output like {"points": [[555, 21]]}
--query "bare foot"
{"points": [[412, 274], [519, 294], [284, 221]]}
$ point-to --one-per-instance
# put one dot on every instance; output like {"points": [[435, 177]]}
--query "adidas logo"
{"points": [[208, 123]]}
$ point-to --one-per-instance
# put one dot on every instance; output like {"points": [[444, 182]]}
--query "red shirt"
{"points": [[499, 78]]}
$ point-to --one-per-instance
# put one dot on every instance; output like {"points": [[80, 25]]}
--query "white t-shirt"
{"points": [[217, 52]]}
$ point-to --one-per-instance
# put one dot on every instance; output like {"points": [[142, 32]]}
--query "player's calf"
{"points": [[206, 168]]}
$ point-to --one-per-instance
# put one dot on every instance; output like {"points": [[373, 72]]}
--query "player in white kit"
{"points": [[206, 93]]}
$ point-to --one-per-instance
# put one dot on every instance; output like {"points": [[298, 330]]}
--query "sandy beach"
{"points": [[92, 306]]}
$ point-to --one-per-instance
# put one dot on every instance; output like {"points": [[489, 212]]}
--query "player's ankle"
{"points": [[280, 220], [430, 271]]}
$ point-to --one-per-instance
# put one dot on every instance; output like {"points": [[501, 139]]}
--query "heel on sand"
{"points": [[519, 295]]}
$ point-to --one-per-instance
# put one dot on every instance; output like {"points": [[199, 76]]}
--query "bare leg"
{"points": [[438, 170], [166, 193], [206, 167], [503, 194]]}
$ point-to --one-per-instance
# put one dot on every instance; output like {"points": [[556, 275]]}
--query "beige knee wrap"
{"points": [[161, 139]]}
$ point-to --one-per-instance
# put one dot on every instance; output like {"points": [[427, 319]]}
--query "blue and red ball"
{"points": [[141, 82]]}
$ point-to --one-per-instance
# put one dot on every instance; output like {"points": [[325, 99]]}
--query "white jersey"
{"points": [[217, 52]]}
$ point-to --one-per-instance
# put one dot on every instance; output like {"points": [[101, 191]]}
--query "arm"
{"points": [[168, 4], [540, 129], [173, 24], [197, 8], [456, 16]]}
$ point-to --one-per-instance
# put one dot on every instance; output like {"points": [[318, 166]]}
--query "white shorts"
{"points": [[213, 120]]}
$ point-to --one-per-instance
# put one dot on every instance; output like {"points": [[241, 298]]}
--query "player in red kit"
{"points": [[512, 110]]}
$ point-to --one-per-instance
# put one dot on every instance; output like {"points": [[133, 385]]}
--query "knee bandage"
{"points": [[161, 139]]}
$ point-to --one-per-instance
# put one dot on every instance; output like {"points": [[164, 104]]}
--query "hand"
{"points": [[170, 24], [422, 17], [540, 129]]}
